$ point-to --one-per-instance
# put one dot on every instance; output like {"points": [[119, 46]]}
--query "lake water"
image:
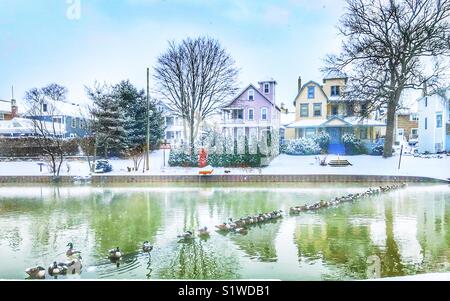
{"points": [[407, 231]]}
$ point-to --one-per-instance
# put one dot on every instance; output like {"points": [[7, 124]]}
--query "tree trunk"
{"points": [[390, 126], [191, 135]]}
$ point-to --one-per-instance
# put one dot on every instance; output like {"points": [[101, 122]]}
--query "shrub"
{"points": [[353, 145], [323, 140], [302, 146]]}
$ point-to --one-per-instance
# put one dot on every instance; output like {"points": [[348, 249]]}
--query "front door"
{"points": [[335, 135]]}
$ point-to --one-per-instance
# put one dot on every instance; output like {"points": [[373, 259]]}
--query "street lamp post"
{"points": [[147, 161]]}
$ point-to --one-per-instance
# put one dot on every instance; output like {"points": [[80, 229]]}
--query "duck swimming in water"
{"points": [[57, 269], [186, 235], [147, 247], [70, 252], [115, 253], [36, 273], [203, 232]]}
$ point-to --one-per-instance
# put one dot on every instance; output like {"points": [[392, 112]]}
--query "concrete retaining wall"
{"points": [[103, 179]]}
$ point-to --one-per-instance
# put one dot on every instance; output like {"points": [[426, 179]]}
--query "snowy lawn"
{"points": [[283, 164]]}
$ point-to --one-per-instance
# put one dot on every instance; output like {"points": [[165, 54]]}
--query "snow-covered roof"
{"points": [[24, 126], [5, 106], [335, 75], [347, 121], [63, 108]]}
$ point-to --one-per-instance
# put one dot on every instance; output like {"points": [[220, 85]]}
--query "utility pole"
{"points": [[147, 161]]}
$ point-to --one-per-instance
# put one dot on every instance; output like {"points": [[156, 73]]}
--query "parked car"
{"points": [[102, 166], [413, 142]]}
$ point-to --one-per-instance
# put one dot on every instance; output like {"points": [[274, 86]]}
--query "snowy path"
{"points": [[283, 164]]}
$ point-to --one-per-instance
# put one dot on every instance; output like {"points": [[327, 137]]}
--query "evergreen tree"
{"points": [[109, 120]]}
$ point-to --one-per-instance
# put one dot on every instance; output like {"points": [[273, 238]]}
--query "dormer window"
{"points": [[311, 92], [335, 91], [266, 88], [251, 94]]}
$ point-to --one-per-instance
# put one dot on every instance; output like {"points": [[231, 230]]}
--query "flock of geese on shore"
{"points": [[73, 264]]}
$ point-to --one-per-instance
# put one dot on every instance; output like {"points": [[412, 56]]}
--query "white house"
{"points": [[173, 132], [434, 122]]}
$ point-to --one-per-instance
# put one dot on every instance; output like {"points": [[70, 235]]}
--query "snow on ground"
{"points": [[283, 164]]}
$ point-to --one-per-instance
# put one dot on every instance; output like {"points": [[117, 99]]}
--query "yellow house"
{"points": [[324, 108]]}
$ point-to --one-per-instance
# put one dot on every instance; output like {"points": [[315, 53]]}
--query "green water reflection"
{"points": [[408, 230]]}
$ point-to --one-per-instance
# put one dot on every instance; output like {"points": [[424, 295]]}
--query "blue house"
{"points": [[69, 119]]}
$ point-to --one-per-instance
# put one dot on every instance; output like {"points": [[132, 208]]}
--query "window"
{"points": [[317, 109], [44, 107], [74, 123], [414, 117], [251, 114], [251, 94], [426, 123], [363, 133], [266, 88], [439, 120], [170, 135], [426, 102], [304, 110], [238, 114], [263, 113], [57, 120], [310, 132], [334, 110], [414, 133], [335, 91], [311, 92], [170, 121]]}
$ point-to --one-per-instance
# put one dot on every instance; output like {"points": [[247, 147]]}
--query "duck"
{"points": [[57, 269], [147, 247], [115, 253], [186, 235], [203, 232], [70, 252], [36, 272]]}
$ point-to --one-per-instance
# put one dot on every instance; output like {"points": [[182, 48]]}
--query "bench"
{"points": [[339, 163]]}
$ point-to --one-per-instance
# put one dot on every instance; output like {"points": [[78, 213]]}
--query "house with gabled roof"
{"points": [[323, 107], [253, 111]]}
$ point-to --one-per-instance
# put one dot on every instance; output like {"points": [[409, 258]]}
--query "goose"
{"points": [[186, 235], [240, 230], [74, 266], [147, 247], [203, 232], [57, 269], [114, 253], [36, 273], [231, 223], [71, 251], [223, 227]]}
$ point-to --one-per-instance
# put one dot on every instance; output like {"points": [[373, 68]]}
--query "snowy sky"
{"points": [[45, 41]]}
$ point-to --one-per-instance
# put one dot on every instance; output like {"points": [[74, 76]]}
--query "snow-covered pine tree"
{"points": [[108, 120]]}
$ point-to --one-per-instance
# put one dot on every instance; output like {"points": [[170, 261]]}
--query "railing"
{"points": [[233, 121]]}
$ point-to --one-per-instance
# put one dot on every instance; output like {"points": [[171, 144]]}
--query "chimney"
{"points": [[299, 83], [14, 108]]}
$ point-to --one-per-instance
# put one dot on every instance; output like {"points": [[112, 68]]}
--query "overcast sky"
{"points": [[44, 41]]}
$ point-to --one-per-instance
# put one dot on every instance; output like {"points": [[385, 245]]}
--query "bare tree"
{"points": [[88, 143], [48, 123], [196, 78], [389, 47]]}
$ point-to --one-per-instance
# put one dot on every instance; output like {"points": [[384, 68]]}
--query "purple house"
{"points": [[253, 110]]}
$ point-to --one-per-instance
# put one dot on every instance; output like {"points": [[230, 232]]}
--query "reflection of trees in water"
{"points": [[126, 220], [259, 243], [243, 203], [199, 260], [347, 245]]}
